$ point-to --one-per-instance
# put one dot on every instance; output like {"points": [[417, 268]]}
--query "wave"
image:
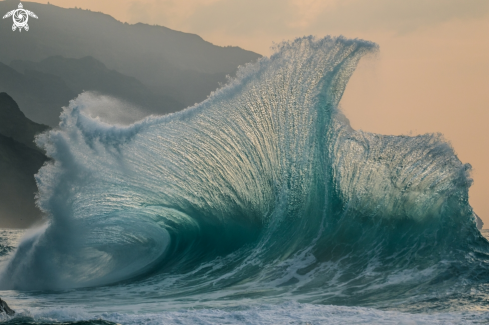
{"points": [[286, 313], [262, 190]]}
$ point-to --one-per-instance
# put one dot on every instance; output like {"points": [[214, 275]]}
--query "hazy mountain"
{"points": [[20, 159], [14, 124], [173, 64], [88, 74], [40, 95], [18, 164]]}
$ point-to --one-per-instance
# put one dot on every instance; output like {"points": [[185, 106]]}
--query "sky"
{"points": [[431, 74]]}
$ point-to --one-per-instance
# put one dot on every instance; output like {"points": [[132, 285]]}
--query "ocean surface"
{"points": [[260, 205]]}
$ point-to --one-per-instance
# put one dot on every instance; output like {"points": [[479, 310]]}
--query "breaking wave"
{"points": [[263, 190]]}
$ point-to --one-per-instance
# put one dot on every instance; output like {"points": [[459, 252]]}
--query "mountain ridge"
{"points": [[14, 123], [88, 74], [20, 159], [182, 65]]}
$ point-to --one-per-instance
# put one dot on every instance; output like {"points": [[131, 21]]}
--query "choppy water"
{"points": [[260, 205]]}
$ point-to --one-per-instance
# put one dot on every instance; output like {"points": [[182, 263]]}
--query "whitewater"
{"points": [[260, 205]]}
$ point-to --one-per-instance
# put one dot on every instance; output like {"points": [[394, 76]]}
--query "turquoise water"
{"points": [[260, 205]]}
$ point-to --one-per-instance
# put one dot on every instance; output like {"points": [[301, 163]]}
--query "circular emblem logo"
{"points": [[20, 17]]}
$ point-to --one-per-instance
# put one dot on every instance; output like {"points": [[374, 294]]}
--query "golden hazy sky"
{"points": [[431, 75]]}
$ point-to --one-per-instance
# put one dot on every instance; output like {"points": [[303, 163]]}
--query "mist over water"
{"points": [[261, 194]]}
